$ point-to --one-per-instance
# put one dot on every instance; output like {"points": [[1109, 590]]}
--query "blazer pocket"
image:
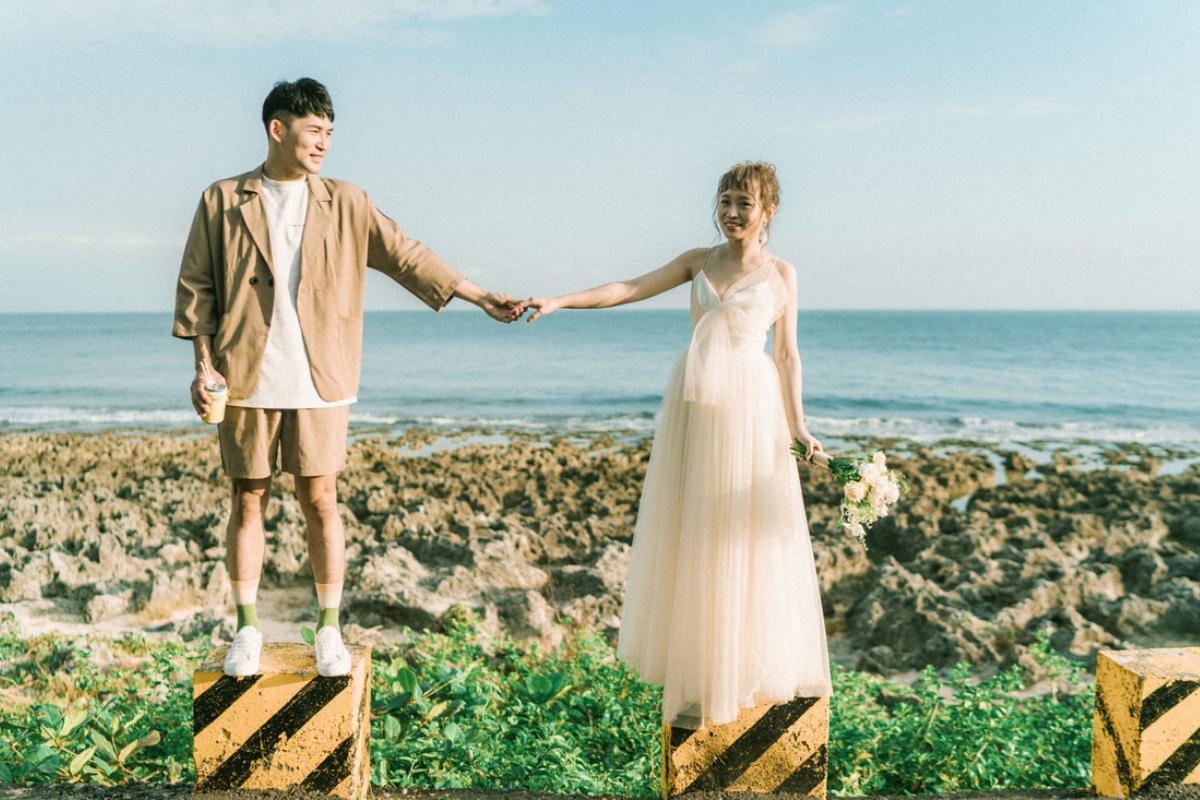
{"points": [[350, 338]]}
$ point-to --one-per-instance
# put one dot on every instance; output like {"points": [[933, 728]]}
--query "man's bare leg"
{"points": [[245, 543], [326, 543], [327, 554]]}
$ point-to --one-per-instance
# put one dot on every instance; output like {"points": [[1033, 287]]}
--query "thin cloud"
{"points": [[47, 240], [243, 23], [1026, 108], [797, 29], [850, 124]]}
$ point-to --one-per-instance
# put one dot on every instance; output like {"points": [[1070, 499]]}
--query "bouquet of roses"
{"points": [[868, 487]]}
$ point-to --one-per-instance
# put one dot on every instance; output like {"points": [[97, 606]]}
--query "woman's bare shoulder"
{"points": [[693, 260], [786, 271]]}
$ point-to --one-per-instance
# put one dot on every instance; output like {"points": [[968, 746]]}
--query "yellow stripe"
{"points": [[798, 742], [202, 681], [309, 746], [344, 788], [1104, 760], [239, 722], [1169, 732], [1123, 697], [708, 744], [1173, 663], [1166, 663]]}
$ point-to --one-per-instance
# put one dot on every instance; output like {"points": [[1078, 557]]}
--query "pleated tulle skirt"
{"points": [[722, 605]]}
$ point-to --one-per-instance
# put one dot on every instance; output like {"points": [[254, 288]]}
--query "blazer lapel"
{"points": [[255, 216], [316, 226]]}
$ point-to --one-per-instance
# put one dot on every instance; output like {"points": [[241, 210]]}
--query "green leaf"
{"points": [[78, 761], [391, 728], [104, 745], [408, 680], [437, 710], [72, 720], [127, 751], [306, 633], [539, 686]]}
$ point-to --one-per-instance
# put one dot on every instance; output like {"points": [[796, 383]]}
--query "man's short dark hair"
{"points": [[298, 99]]}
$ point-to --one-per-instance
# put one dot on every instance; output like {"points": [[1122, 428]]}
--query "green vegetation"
{"points": [[457, 713], [94, 711], [955, 735], [460, 709]]}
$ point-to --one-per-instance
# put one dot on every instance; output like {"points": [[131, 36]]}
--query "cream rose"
{"points": [[869, 472], [855, 491]]}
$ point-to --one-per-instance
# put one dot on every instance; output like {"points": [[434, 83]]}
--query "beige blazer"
{"points": [[226, 283]]}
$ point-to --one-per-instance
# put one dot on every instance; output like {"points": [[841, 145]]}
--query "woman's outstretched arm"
{"points": [[787, 362], [681, 270]]}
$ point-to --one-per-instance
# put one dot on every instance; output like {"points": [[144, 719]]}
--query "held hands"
{"points": [[505, 309], [496, 305], [544, 306], [501, 307]]}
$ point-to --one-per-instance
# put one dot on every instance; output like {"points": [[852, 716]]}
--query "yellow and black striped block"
{"points": [[768, 748], [284, 727], [1146, 730]]}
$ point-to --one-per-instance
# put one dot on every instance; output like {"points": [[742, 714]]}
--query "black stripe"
{"points": [[679, 736], [750, 746], [1164, 698], [333, 770], [1124, 773], [219, 697], [1179, 765], [282, 725], [808, 775]]}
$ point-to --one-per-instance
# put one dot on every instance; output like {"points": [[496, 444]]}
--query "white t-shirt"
{"points": [[285, 380]]}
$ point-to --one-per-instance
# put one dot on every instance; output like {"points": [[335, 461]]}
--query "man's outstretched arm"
{"points": [[496, 305]]}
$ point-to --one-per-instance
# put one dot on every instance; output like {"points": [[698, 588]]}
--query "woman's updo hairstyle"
{"points": [[756, 178]]}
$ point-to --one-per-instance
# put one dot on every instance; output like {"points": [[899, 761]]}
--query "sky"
{"points": [[932, 155]]}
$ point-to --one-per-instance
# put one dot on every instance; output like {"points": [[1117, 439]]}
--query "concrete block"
{"points": [[768, 748], [284, 727], [1146, 729]]}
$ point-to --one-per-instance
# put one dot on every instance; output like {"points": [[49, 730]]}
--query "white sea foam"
{"points": [[988, 377]]}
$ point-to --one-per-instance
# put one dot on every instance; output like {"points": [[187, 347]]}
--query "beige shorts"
{"points": [[307, 441]]}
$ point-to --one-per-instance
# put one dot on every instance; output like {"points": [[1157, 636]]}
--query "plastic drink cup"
{"points": [[217, 394]]}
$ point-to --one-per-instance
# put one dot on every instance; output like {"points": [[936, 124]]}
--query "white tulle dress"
{"points": [[722, 606]]}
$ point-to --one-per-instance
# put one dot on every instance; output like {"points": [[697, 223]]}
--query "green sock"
{"points": [[328, 617], [247, 615]]}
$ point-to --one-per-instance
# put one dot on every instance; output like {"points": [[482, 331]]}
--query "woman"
{"points": [[722, 606]]}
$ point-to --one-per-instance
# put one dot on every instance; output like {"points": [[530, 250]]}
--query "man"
{"points": [[270, 293]]}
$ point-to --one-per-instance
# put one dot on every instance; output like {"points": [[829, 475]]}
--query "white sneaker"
{"points": [[242, 658], [333, 659]]}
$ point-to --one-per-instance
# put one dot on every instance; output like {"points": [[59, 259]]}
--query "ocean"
{"points": [[928, 376]]}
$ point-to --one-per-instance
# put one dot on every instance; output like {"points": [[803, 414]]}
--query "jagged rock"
{"points": [[879, 658], [106, 606], [535, 535], [528, 615], [356, 634]]}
